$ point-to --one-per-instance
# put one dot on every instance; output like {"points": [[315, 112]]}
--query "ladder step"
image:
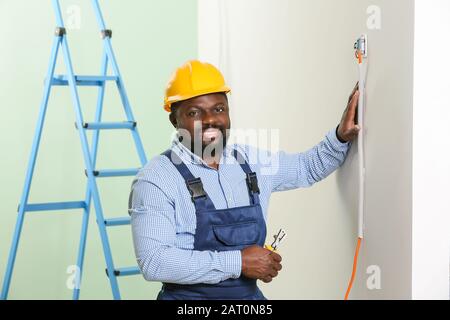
{"points": [[109, 125], [55, 206], [116, 173], [117, 221], [61, 80], [128, 271]]}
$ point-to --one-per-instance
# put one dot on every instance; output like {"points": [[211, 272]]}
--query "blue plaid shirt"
{"points": [[163, 216]]}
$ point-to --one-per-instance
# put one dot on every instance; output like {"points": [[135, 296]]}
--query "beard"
{"points": [[214, 144], [210, 141], [207, 142]]}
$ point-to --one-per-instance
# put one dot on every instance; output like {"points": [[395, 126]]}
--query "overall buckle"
{"points": [[195, 187], [252, 182]]}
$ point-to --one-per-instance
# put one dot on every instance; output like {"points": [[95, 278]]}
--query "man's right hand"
{"points": [[260, 263]]}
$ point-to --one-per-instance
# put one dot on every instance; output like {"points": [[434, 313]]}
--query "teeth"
{"points": [[211, 133]]}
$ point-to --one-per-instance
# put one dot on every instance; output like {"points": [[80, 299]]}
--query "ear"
{"points": [[173, 120]]}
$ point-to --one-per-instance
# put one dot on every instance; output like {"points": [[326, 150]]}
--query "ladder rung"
{"points": [[109, 125], [117, 221], [116, 173], [61, 80], [55, 206], [128, 271]]}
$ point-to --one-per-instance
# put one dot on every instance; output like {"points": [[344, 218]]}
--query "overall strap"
{"points": [[199, 196], [252, 179]]}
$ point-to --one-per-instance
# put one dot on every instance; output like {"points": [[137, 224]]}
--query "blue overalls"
{"points": [[221, 230]]}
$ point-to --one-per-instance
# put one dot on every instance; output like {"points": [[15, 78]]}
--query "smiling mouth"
{"points": [[211, 134]]}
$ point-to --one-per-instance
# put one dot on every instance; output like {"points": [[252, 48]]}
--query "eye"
{"points": [[193, 113], [220, 108]]}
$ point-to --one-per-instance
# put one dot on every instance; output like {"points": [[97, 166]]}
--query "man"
{"points": [[199, 210]]}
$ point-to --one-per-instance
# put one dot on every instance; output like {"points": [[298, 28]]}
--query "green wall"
{"points": [[150, 39]]}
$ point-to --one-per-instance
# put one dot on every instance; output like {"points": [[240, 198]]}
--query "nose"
{"points": [[209, 120]]}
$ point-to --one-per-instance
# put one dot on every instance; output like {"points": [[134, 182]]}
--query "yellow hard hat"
{"points": [[191, 80]]}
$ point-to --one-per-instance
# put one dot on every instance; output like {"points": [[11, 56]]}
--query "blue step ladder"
{"points": [[73, 81]]}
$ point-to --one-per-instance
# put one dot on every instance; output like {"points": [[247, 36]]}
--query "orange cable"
{"points": [[355, 264], [359, 56]]}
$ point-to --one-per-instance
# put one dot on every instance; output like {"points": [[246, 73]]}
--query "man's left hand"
{"points": [[348, 128]]}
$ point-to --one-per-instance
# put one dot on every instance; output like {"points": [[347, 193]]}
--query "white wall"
{"points": [[291, 67], [431, 165], [388, 222]]}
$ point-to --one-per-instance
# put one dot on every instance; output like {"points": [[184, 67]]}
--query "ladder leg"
{"points": [[104, 237], [90, 170], [120, 84], [82, 247], [125, 101], [94, 149], [31, 166]]}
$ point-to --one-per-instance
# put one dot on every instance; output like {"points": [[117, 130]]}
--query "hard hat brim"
{"points": [[178, 98]]}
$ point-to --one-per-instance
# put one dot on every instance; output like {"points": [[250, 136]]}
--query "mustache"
{"points": [[218, 127], [200, 126]]}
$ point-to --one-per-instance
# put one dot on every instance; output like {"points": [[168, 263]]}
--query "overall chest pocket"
{"points": [[237, 234]]}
